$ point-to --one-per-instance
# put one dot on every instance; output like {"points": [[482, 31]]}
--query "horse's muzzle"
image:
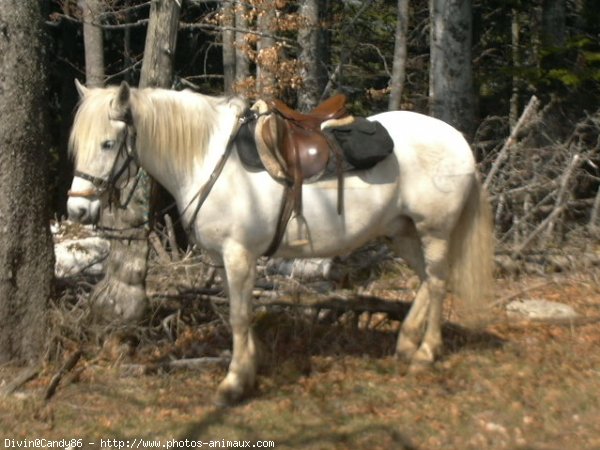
{"points": [[83, 210]]}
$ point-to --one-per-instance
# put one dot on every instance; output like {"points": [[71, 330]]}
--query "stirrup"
{"points": [[301, 228]]}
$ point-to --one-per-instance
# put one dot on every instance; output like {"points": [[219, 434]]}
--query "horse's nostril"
{"points": [[77, 214]]}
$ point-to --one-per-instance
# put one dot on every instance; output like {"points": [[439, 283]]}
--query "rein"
{"points": [[204, 191], [102, 185]]}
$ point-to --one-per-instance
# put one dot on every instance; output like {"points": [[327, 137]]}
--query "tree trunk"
{"points": [[242, 62], [267, 57], [121, 295], [514, 112], [67, 51], [313, 54], [451, 92], [553, 32], [399, 67], [93, 42], [228, 12], [26, 254], [161, 40], [553, 23]]}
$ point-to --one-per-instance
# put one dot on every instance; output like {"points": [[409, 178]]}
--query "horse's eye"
{"points": [[107, 145]]}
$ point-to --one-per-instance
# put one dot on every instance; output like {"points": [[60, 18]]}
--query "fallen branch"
{"points": [[172, 240], [336, 302], [541, 227], [23, 377], [66, 368], [508, 298], [177, 364], [163, 256], [593, 223]]}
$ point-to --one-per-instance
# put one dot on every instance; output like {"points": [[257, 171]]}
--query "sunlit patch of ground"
{"points": [[514, 384]]}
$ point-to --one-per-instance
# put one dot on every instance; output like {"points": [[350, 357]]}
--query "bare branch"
{"points": [[530, 109]]}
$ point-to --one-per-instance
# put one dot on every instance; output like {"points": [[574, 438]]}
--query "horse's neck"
{"points": [[184, 182]]}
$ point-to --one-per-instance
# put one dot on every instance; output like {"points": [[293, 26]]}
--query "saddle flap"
{"points": [[268, 142]]}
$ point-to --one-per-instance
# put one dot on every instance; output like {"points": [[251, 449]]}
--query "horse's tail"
{"points": [[471, 257]]}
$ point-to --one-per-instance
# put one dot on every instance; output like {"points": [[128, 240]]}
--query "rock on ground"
{"points": [[540, 309]]}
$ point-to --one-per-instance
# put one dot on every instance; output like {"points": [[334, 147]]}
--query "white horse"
{"points": [[425, 198]]}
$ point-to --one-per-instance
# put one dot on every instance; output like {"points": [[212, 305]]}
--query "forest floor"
{"points": [[515, 384]]}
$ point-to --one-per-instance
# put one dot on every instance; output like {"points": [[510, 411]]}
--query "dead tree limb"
{"points": [[336, 302], [177, 364], [562, 192], [523, 245], [163, 256], [172, 239], [66, 368], [530, 109], [23, 377], [593, 223]]}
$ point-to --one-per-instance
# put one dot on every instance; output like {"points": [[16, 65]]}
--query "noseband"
{"points": [[109, 185]]}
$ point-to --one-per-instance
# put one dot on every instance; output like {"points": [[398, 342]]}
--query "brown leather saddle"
{"points": [[303, 151], [301, 145]]}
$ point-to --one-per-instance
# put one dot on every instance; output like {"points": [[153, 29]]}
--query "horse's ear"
{"points": [[81, 88], [120, 106]]}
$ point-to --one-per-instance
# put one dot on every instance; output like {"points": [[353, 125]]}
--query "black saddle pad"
{"points": [[246, 146], [363, 143]]}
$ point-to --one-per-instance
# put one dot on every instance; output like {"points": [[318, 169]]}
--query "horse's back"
{"points": [[436, 164]]}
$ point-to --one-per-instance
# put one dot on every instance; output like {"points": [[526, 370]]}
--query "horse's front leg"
{"points": [[240, 271]]}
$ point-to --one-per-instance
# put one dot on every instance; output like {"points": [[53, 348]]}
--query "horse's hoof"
{"points": [[419, 366], [232, 393], [228, 396], [405, 350]]}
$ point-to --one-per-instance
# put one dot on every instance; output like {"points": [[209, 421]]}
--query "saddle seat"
{"points": [[297, 138], [332, 108], [302, 150]]}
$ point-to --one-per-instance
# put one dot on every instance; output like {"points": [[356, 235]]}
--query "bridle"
{"points": [[108, 186], [126, 149]]}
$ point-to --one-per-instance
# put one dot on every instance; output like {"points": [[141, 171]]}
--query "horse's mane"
{"points": [[87, 127], [176, 124]]}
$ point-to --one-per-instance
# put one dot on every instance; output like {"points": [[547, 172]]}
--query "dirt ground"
{"points": [[515, 384]]}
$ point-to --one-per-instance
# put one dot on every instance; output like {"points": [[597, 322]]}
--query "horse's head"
{"points": [[102, 143]]}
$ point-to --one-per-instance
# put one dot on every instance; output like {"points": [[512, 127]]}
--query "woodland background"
{"points": [[379, 53], [520, 78]]}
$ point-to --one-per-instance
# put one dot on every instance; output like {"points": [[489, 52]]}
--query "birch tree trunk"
{"points": [[451, 93], [399, 67], [121, 295], [26, 253], [93, 42]]}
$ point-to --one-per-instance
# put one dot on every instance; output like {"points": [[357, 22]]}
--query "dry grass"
{"points": [[333, 385]]}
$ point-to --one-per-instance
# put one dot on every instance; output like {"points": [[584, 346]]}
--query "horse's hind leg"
{"points": [[240, 270], [408, 247], [435, 249], [427, 255]]}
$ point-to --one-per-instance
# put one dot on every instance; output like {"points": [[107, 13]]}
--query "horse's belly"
{"points": [[369, 211]]}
